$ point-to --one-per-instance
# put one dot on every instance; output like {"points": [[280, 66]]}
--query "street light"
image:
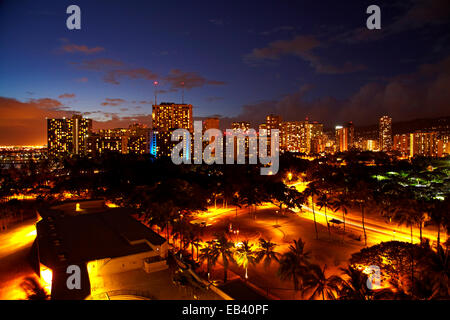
{"points": [[276, 218]]}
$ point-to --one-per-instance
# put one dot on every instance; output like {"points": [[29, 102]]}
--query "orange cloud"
{"points": [[23, 123], [67, 96], [74, 48]]}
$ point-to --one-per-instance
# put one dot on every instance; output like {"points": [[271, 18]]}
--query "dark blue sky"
{"points": [[238, 59]]}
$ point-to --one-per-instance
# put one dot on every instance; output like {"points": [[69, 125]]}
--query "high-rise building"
{"points": [[424, 144], [273, 122], [211, 123], [317, 137], [385, 132], [68, 135], [369, 145], [291, 136], [345, 137], [136, 139], [243, 128], [169, 116], [139, 139], [240, 125], [402, 144], [350, 134], [166, 118], [111, 140], [302, 136], [341, 139]]}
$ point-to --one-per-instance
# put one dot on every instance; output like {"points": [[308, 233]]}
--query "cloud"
{"points": [[178, 79], [217, 22], [302, 47], [112, 102], [74, 48], [113, 76], [67, 96], [417, 14], [422, 13], [23, 123], [113, 120], [83, 79], [100, 64], [276, 30], [212, 99], [423, 93], [115, 71]]}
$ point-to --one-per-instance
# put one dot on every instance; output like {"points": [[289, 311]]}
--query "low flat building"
{"points": [[100, 242]]}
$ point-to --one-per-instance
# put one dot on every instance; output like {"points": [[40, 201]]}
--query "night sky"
{"points": [[238, 59]]}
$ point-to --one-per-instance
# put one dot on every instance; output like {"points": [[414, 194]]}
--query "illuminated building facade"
{"points": [[291, 134], [370, 145], [302, 136], [68, 136], [345, 137], [243, 127], [402, 144], [210, 123], [424, 144], [166, 118], [318, 140], [111, 140], [385, 133], [137, 139]]}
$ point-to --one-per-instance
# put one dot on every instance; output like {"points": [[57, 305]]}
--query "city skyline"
{"points": [[74, 136], [304, 63]]}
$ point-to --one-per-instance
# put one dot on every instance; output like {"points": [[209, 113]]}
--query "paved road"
{"points": [[15, 244]]}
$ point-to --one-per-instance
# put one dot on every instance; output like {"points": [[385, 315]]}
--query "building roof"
{"points": [[72, 239]]}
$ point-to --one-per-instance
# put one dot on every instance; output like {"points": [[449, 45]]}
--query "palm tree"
{"points": [[266, 252], [224, 248], [245, 255], [312, 191], [33, 289], [438, 213], [294, 264], [342, 202], [439, 270], [407, 216], [320, 284], [210, 255], [324, 202], [362, 196]]}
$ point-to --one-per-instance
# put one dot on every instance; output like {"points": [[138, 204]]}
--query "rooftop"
{"points": [[65, 239]]}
